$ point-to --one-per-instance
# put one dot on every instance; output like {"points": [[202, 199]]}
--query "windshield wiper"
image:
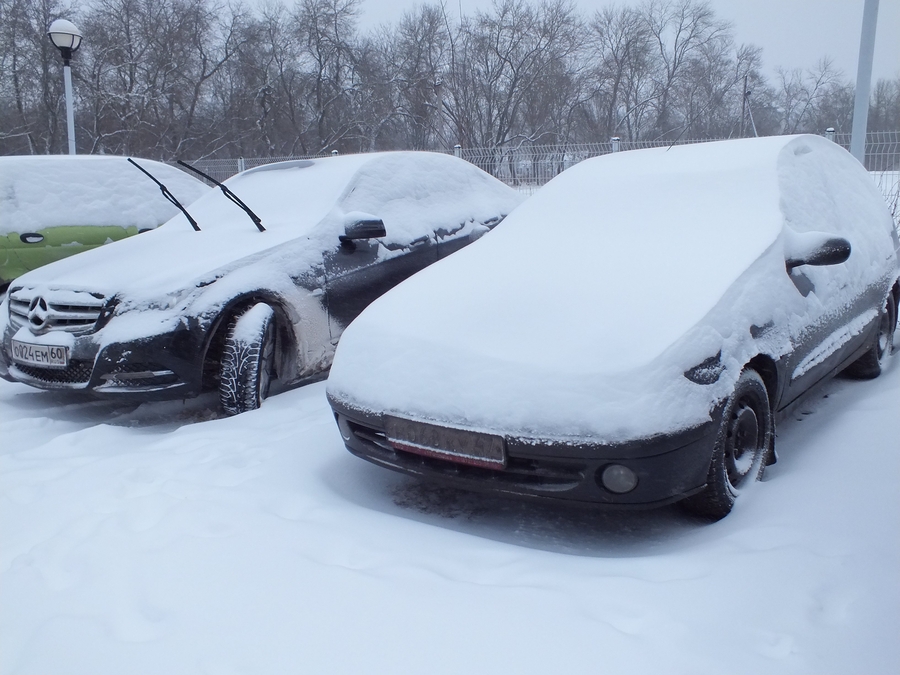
{"points": [[228, 193], [168, 195]]}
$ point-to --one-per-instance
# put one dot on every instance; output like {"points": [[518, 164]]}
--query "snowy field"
{"points": [[161, 539]]}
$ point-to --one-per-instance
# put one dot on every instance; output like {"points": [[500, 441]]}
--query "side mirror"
{"points": [[363, 229], [815, 248]]}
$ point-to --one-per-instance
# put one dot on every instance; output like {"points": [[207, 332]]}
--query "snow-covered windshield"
{"points": [[288, 197]]}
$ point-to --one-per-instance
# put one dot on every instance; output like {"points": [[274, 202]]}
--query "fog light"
{"points": [[619, 479]]}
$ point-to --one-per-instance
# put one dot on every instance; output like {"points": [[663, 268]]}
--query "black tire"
{"points": [[248, 360], [744, 442], [874, 361]]}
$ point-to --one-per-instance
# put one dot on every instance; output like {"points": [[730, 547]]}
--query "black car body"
{"points": [[630, 334], [167, 314]]}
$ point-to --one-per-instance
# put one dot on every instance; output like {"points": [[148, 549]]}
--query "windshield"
{"points": [[290, 197]]}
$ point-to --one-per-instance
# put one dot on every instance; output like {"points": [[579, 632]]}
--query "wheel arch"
{"points": [[285, 342], [768, 370]]}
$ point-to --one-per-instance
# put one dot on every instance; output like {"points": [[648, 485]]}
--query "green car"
{"points": [[54, 206]]}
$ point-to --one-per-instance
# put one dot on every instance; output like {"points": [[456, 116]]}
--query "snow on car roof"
{"points": [[43, 191], [595, 277], [293, 199]]}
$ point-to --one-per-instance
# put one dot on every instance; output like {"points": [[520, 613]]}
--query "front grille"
{"points": [[70, 311], [77, 372]]}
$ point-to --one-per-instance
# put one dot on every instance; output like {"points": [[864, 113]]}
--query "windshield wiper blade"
{"points": [[168, 195], [228, 193]]}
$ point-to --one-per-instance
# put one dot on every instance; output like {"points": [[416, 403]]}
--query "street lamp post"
{"points": [[67, 38], [864, 81]]}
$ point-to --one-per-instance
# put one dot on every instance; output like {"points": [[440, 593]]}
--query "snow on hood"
{"points": [[37, 192], [300, 200], [578, 315]]}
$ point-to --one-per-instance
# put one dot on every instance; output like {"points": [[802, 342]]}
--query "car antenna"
{"points": [[168, 195], [228, 193]]}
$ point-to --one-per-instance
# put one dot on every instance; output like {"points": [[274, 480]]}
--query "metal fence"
{"points": [[527, 167], [883, 162], [220, 169]]}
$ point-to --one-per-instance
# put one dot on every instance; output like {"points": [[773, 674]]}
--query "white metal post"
{"points": [[70, 108], [67, 39], [864, 81]]}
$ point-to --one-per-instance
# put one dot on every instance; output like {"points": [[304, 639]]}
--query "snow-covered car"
{"points": [[629, 334], [284, 256], [53, 206]]}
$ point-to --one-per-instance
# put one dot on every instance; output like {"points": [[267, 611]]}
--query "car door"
{"points": [[358, 273], [449, 240], [838, 318]]}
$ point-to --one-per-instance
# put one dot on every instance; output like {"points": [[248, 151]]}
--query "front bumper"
{"points": [[160, 367], [668, 467]]}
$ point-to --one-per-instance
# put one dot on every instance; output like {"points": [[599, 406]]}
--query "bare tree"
{"points": [[884, 111], [418, 53], [681, 30], [31, 96], [149, 72], [501, 59], [204, 78], [620, 51], [802, 93]]}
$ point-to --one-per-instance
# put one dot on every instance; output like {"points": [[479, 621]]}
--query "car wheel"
{"points": [[869, 365], [248, 360], [744, 441]]}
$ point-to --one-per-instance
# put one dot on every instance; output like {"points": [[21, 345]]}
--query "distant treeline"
{"points": [[197, 78]]}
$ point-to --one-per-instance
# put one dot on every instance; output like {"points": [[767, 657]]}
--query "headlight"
{"points": [[707, 371]]}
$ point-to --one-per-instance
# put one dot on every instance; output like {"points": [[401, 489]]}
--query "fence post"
{"points": [[614, 142], [829, 134], [457, 150], [240, 164]]}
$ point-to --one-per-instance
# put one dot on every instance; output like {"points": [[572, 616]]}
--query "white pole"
{"points": [[70, 108], [864, 80]]}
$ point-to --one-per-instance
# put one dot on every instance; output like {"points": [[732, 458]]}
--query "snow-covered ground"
{"points": [[160, 539]]}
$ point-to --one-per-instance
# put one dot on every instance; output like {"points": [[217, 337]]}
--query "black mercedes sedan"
{"points": [[254, 283], [630, 334]]}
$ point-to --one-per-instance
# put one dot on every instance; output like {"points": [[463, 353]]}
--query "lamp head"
{"points": [[66, 37]]}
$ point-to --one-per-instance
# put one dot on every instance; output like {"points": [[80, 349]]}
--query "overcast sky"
{"points": [[792, 33]]}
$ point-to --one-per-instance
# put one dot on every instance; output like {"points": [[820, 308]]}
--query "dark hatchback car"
{"points": [[629, 335], [243, 298]]}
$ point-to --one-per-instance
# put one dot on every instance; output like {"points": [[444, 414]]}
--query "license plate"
{"points": [[456, 445], [48, 356]]}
